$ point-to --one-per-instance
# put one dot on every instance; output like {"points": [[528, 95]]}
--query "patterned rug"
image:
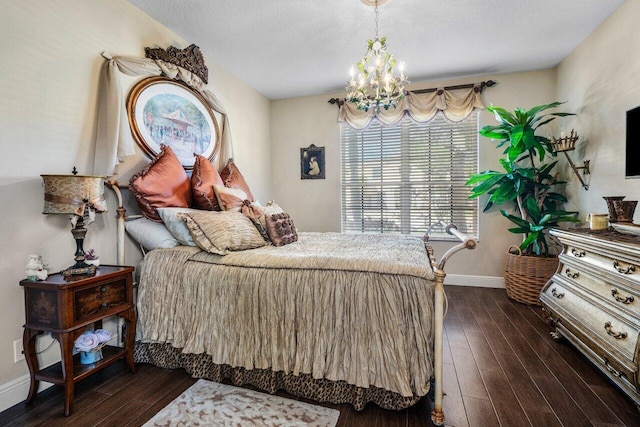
{"points": [[207, 403]]}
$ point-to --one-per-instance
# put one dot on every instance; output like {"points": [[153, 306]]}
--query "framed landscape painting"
{"points": [[164, 111], [312, 162]]}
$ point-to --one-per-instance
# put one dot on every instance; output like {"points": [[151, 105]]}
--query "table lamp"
{"points": [[80, 196]]}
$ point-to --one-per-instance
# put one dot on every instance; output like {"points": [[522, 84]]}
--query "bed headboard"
{"points": [[126, 203]]}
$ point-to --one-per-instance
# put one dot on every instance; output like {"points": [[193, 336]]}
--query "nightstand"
{"points": [[65, 309]]}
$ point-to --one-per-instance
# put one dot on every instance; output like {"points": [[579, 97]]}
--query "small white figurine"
{"points": [[35, 269]]}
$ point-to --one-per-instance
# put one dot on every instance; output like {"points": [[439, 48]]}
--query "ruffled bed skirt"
{"points": [[303, 385]]}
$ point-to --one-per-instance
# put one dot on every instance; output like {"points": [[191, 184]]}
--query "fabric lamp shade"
{"points": [[81, 196], [73, 194]]}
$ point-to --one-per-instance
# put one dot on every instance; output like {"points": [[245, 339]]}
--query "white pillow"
{"points": [[151, 235], [177, 226]]}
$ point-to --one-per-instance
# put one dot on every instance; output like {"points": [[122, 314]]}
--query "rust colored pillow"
{"points": [[281, 229], [162, 184], [203, 177], [232, 178]]}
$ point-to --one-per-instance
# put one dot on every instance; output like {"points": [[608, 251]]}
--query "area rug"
{"points": [[207, 403]]}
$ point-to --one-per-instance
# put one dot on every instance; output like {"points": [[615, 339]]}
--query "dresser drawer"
{"points": [[610, 263], [612, 332], [97, 299], [620, 371], [618, 293]]}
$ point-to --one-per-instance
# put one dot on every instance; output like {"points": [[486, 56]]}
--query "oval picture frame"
{"points": [[165, 111]]}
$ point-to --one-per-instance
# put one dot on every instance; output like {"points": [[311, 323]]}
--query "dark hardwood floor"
{"points": [[501, 369]]}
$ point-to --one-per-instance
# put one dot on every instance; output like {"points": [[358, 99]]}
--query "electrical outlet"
{"points": [[18, 353]]}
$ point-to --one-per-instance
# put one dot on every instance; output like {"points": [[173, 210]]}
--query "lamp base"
{"points": [[79, 269]]}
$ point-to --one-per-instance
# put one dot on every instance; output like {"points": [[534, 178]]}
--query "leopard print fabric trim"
{"points": [[321, 390]]}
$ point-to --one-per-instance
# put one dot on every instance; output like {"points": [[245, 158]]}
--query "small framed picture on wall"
{"points": [[312, 162]]}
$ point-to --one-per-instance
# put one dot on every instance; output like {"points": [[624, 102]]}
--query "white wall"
{"points": [[601, 81], [315, 204], [51, 60]]}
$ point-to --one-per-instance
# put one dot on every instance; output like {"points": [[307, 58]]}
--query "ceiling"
{"points": [[291, 48]]}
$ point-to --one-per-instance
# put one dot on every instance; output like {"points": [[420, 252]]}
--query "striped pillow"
{"points": [[222, 232]]}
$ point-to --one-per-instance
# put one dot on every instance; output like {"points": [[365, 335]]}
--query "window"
{"points": [[402, 179]]}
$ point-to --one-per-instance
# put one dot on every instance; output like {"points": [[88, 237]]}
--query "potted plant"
{"points": [[529, 184]]}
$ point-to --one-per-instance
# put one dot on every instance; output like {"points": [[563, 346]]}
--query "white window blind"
{"points": [[402, 179]]}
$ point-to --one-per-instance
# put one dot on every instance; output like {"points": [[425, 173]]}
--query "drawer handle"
{"points": [[577, 254], [629, 270], [627, 300], [616, 335], [103, 305], [556, 293], [571, 275], [613, 370], [103, 289]]}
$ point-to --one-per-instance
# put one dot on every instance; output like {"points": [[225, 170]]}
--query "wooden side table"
{"points": [[65, 309]]}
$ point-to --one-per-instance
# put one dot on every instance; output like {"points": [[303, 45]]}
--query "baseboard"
{"points": [[474, 281], [16, 391]]}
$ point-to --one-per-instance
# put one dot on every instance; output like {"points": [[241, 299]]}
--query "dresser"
{"points": [[593, 300]]}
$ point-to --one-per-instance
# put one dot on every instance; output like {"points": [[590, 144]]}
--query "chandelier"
{"points": [[376, 86]]}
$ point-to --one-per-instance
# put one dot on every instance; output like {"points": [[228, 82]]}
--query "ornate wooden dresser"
{"points": [[593, 300]]}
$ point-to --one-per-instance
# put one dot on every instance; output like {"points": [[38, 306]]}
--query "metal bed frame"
{"points": [[440, 301]]}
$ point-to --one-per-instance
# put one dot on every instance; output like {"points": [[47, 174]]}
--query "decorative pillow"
{"points": [[256, 215], [150, 235], [232, 178], [203, 177], [177, 226], [281, 229], [229, 198], [222, 232], [162, 183], [272, 208]]}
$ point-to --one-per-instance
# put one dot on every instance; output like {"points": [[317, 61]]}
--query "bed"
{"points": [[333, 317]]}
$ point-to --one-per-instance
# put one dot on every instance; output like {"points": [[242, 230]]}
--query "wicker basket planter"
{"points": [[524, 276]]}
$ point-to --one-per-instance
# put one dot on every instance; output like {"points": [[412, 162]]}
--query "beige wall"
{"points": [[601, 81], [315, 204], [51, 60]]}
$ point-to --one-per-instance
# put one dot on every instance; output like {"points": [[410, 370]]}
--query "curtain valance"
{"points": [[456, 105], [113, 138]]}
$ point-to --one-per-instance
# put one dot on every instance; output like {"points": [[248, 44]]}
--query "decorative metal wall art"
{"points": [[190, 58]]}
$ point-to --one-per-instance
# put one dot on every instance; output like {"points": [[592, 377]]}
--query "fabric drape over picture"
{"points": [[456, 105], [113, 138]]}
